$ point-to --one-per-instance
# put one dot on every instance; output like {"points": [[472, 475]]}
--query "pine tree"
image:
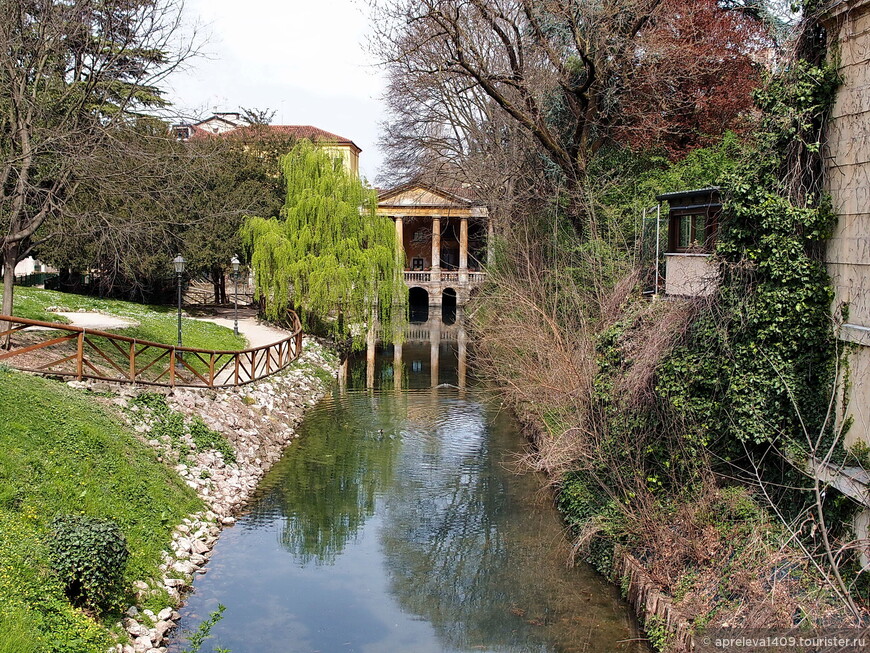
{"points": [[327, 253]]}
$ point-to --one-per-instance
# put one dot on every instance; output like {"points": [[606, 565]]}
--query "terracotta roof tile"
{"points": [[314, 134]]}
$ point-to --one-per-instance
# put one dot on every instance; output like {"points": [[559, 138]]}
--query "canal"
{"points": [[398, 522]]}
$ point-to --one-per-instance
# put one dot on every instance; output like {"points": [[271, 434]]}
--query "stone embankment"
{"points": [[259, 421]]}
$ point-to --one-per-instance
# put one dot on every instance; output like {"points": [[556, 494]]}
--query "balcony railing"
{"points": [[451, 276]]}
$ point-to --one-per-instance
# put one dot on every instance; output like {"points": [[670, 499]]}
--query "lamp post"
{"points": [[178, 262], [236, 263]]}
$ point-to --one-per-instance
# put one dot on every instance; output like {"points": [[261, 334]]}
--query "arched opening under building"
{"points": [[418, 305], [448, 306]]}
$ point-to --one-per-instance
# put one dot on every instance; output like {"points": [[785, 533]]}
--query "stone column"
{"points": [[342, 374], [400, 239], [397, 366], [371, 340], [463, 250], [434, 351], [436, 248], [490, 242]]}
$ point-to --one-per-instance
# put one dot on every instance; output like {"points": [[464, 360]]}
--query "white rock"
{"points": [[165, 614], [184, 567], [162, 626]]}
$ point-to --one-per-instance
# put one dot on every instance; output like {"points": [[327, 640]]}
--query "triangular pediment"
{"points": [[420, 195]]}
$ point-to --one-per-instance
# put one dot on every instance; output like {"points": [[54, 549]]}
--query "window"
{"points": [[417, 264], [693, 219], [692, 232]]}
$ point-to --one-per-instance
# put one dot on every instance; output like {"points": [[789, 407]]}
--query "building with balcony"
{"points": [[446, 239], [693, 220]]}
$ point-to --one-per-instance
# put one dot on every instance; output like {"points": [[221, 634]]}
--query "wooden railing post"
{"points": [[211, 371], [80, 355], [237, 367], [133, 362], [172, 367]]}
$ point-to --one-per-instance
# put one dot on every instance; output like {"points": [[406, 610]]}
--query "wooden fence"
{"points": [[71, 351]]}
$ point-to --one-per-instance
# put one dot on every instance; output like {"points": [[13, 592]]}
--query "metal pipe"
{"points": [[658, 240], [179, 308]]}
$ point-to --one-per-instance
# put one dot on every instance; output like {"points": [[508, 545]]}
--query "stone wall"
{"points": [[847, 158]]}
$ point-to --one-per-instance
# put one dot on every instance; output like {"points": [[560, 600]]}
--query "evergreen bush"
{"points": [[89, 556]]}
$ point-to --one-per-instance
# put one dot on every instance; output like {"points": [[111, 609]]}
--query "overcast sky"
{"points": [[305, 59]]}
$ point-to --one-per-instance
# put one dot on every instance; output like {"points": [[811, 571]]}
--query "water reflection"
{"points": [[429, 354], [325, 491], [395, 524]]}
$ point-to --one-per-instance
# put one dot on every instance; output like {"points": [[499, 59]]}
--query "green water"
{"points": [[398, 522]]}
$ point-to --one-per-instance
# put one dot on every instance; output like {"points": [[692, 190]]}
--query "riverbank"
{"points": [[220, 443], [695, 551], [170, 468]]}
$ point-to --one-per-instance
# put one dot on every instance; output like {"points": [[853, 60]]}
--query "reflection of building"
{"points": [[693, 220], [444, 236], [232, 125], [432, 354]]}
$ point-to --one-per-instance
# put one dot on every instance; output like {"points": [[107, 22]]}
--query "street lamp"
{"points": [[178, 262], [236, 263]]}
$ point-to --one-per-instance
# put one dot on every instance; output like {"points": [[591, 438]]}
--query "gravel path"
{"points": [[257, 334], [98, 321]]}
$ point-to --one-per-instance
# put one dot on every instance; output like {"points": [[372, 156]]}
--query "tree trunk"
{"points": [[216, 283], [223, 287], [10, 258]]}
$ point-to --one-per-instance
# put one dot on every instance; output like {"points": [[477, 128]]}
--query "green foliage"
{"points": [[89, 556], [206, 438], [582, 502], [327, 251], [762, 358], [197, 638], [61, 453], [657, 633]]}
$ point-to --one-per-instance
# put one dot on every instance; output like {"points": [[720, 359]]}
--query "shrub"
{"points": [[89, 556]]}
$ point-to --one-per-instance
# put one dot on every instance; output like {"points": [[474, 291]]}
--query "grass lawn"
{"points": [[61, 453], [156, 323]]}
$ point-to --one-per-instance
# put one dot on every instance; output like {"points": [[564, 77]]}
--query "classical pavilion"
{"points": [[446, 237]]}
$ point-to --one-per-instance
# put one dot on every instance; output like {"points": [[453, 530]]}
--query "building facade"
{"points": [[232, 125], [446, 238], [847, 165]]}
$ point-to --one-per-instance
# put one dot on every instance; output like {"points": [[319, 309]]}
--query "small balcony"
{"points": [[460, 277]]}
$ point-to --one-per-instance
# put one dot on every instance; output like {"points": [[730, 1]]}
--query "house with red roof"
{"points": [[233, 125]]}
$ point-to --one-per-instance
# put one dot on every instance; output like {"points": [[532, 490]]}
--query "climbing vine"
{"points": [[761, 358]]}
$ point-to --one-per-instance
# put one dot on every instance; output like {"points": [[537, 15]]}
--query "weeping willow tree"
{"points": [[327, 254]]}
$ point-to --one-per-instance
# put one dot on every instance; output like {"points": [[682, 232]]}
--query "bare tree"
{"points": [[536, 61], [561, 72], [70, 71]]}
